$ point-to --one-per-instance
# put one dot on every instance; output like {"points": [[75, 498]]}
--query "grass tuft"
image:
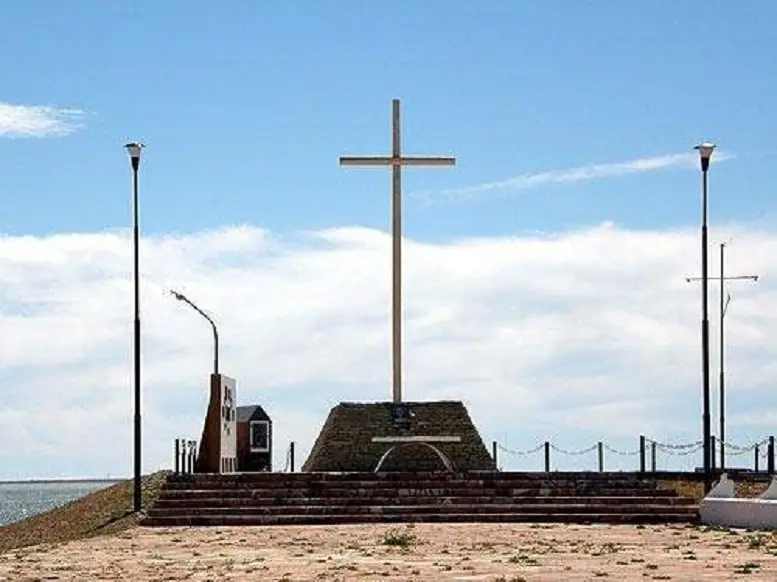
{"points": [[398, 538]]}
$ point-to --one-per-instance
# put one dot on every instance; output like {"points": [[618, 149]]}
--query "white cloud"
{"points": [[37, 120], [577, 337], [585, 173]]}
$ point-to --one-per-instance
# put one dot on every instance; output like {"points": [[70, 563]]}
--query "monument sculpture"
{"points": [[398, 435], [218, 445]]}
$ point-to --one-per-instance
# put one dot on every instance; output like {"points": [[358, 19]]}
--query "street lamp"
{"points": [[134, 150], [725, 299], [705, 153], [182, 297]]}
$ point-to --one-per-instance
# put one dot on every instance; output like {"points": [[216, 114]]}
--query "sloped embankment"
{"points": [[103, 512]]}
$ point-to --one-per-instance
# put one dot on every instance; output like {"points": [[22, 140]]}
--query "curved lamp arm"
{"points": [[182, 297]]}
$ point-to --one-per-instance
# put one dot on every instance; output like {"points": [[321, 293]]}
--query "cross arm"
{"points": [[733, 278], [365, 161], [427, 161], [399, 161]]}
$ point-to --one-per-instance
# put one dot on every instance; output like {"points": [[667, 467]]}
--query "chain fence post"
{"points": [[712, 453], [183, 455], [653, 448], [600, 448]]}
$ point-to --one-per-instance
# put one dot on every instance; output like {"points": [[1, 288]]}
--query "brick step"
{"points": [[229, 501], [410, 483], [244, 492], [581, 518], [344, 510], [536, 476]]}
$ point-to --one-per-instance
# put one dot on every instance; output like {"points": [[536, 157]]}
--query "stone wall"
{"points": [[344, 443]]}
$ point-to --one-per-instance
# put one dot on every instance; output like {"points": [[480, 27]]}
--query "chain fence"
{"points": [[648, 451]]}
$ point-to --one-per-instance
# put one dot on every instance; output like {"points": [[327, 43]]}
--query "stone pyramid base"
{"points": [[345, 443]]}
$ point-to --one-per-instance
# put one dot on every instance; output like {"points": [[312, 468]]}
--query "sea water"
{"points": [[22, 500]]}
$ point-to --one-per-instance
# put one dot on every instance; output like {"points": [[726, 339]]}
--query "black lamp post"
{"points": [[705, 153], [182, 297], [134, 150]]}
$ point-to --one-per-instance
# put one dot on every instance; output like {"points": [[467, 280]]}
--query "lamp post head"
{"points": [[705, 153], [134, 150], [178, 296]]}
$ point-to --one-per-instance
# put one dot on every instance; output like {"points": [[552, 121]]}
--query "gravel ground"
{"points": [[422, 552]]}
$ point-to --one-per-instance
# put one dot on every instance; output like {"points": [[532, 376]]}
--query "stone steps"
{"points": [[516, 480], [372, 493], [518, 508], [300, 498], [548, 517], [293, 502]]}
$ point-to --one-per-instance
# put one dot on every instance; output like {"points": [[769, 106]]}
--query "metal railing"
{"points": [[184, 456]]}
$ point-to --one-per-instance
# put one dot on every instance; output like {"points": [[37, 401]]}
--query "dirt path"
{"points": [[421, 552]]}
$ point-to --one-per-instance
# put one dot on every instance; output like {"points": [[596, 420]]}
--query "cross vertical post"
{"points": [[396, 161], [396, 254]]}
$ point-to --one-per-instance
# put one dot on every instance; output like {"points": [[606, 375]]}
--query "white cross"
{"points": [[396, 161]]}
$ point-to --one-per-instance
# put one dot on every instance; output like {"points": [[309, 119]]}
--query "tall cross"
{"points": [[396, 160]]}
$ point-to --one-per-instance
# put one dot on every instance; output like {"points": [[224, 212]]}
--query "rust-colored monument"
{"points": [[218, 445]]}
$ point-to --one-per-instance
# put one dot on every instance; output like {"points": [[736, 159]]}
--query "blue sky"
{"points": [[245, 108]]}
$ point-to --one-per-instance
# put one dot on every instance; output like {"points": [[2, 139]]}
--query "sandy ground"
{"points": [[421, 552]]}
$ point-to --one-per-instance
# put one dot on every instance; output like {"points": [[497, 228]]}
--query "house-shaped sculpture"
{"points": [[254, 439]]}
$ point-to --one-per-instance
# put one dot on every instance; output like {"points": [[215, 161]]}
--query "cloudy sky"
{"points": [[545, 274]]}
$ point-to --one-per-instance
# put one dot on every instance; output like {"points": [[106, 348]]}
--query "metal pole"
{"points": [[215, 350], [724, 298], [653, 457], [547, 457], [183, 456], [722, 381], [712, 452], [705, 326], [641, 453], [136, 497], [600, 450]]}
